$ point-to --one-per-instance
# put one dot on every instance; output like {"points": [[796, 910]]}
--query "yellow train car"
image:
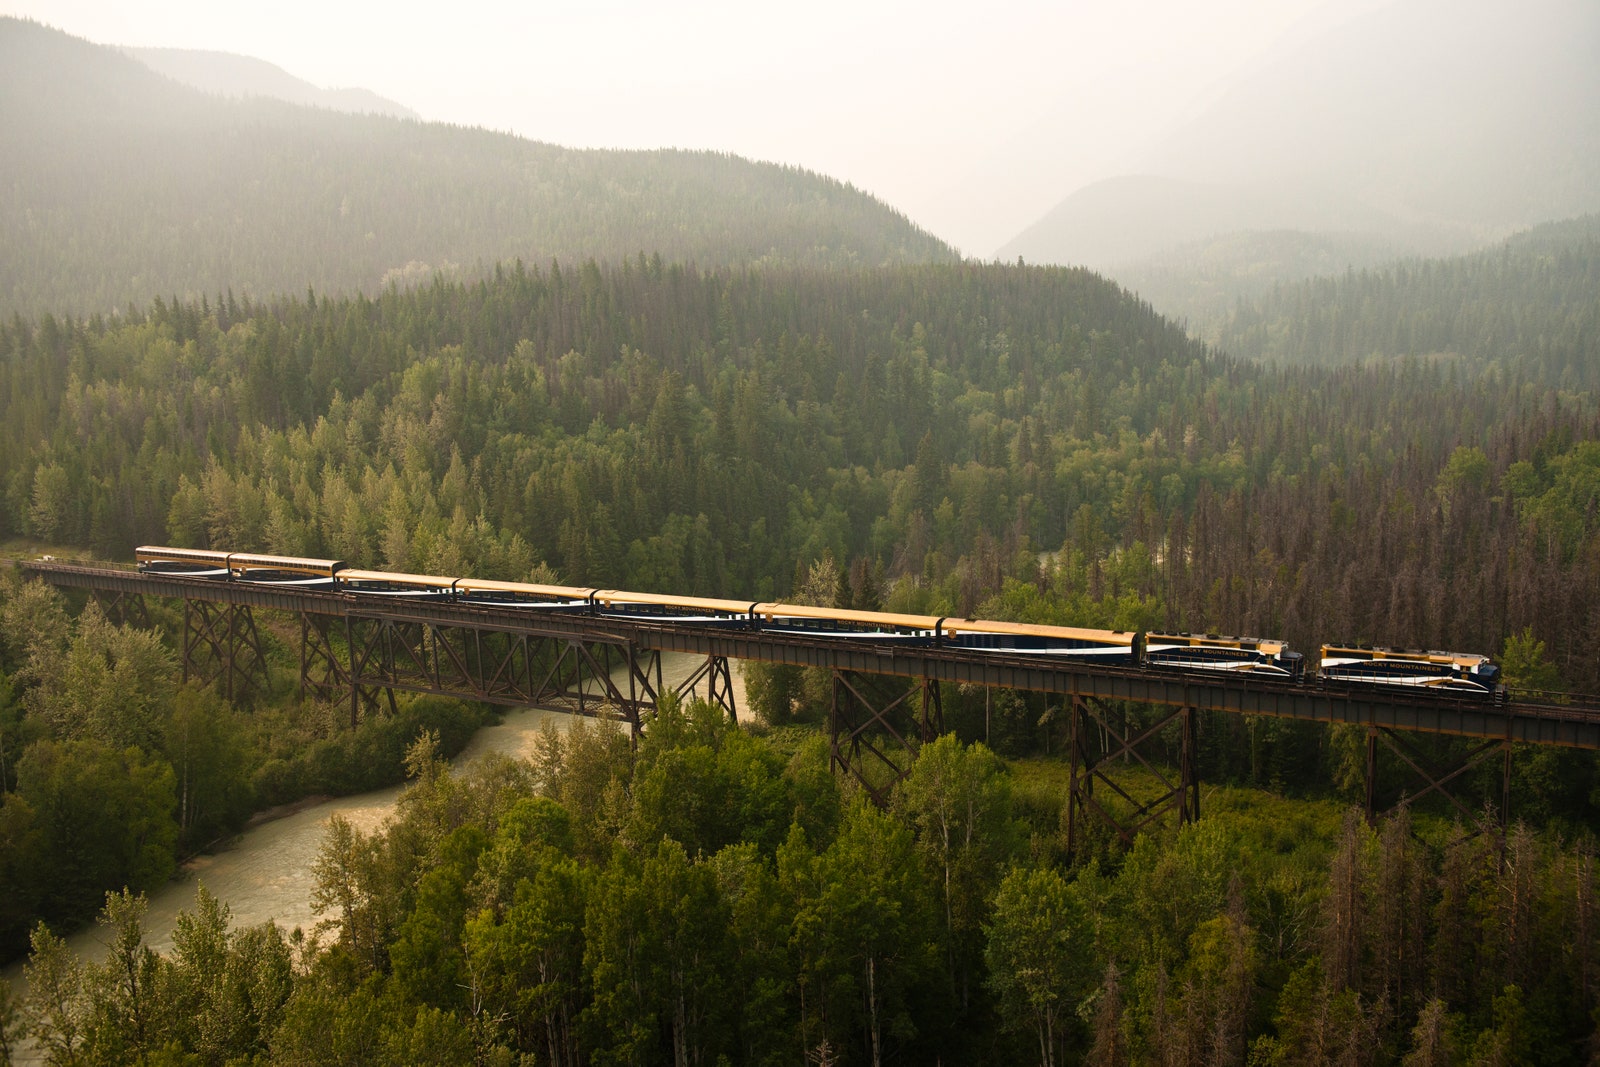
{"points": [[846, 622], [1119, 647], [182, 562], [396, 584]]}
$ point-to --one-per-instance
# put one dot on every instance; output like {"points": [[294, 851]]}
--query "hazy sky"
{"points": [[972, 119]]}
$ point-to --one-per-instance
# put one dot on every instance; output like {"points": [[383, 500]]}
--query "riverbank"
{"points": [[265, 872]]}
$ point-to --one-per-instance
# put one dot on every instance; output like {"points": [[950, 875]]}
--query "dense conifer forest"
{"points": [[1003, 441], [1527, 305], [1028, 442]]}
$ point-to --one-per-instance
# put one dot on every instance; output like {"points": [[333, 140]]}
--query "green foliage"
{"points": [[864, 934], [339, 761], [705, 785], [33, 624], [772, 691], [1524, 664], [121, 801], [657, 956], [227, 989], [216, 999], [476, 924], [429, 964], [58, 1007], [209, 748], [1038, 956], [958, 801], [1528, 306], [112, 685], [525, 955]]}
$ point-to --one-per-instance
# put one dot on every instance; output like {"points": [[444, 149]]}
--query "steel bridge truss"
{"points": [[885, 702], [354, 657], [222, 646], [877, 724], [1099, 740], [713, 674], [1438, 778], [122, 608]]}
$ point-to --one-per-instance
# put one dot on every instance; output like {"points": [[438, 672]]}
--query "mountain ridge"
{"points": [[230, 75], [1433, 126], [121, 184]]}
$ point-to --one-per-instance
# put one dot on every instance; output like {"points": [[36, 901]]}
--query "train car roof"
{"points": [[250, 559], [1263, 644], [490, 585], [397, 578], [621, 596], [1028, 629], [1463, 658], [179, 553], [876, 618]]}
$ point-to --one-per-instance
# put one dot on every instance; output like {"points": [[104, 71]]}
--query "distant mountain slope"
{"points": [[1201, 283], [117, 184], [1132, 218], [1436, 126], [1531, 304], [226, 74]]}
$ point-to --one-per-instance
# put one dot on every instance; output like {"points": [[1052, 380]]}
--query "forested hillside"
{"points": [[957, 433], [117, 185], [1007, 441], [1201, 284], [1528, 306]]}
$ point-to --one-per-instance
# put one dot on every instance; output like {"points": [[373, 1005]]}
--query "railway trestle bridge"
{"points": [[360, 650]]}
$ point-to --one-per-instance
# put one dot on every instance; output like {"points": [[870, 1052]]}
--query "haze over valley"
{"points": [[1316, 140], [709, 533]]}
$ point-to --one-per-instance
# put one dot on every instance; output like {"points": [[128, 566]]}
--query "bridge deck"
{"points": [[1543, 724]]}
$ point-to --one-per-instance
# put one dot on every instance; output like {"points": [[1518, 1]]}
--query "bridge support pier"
{"points": [[713, 674], [325, 672], [877, 725], [1097, 742], [358, 658], [124, 609], [221, 645], [1438, 778], [718, 678]]}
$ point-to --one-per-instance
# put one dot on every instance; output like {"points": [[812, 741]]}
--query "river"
{"points": [[265, 872]]}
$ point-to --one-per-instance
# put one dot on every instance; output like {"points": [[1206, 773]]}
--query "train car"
{"points": [[1119, 647], [1458, 673], [1464, 674], [396, 584], [236, 566], [880, 627], [706, 611], [284, 570], [489, 593], [183, 562], [1209, 652]]}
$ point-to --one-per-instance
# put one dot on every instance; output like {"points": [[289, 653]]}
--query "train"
{"points": [[1445, 673]]}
